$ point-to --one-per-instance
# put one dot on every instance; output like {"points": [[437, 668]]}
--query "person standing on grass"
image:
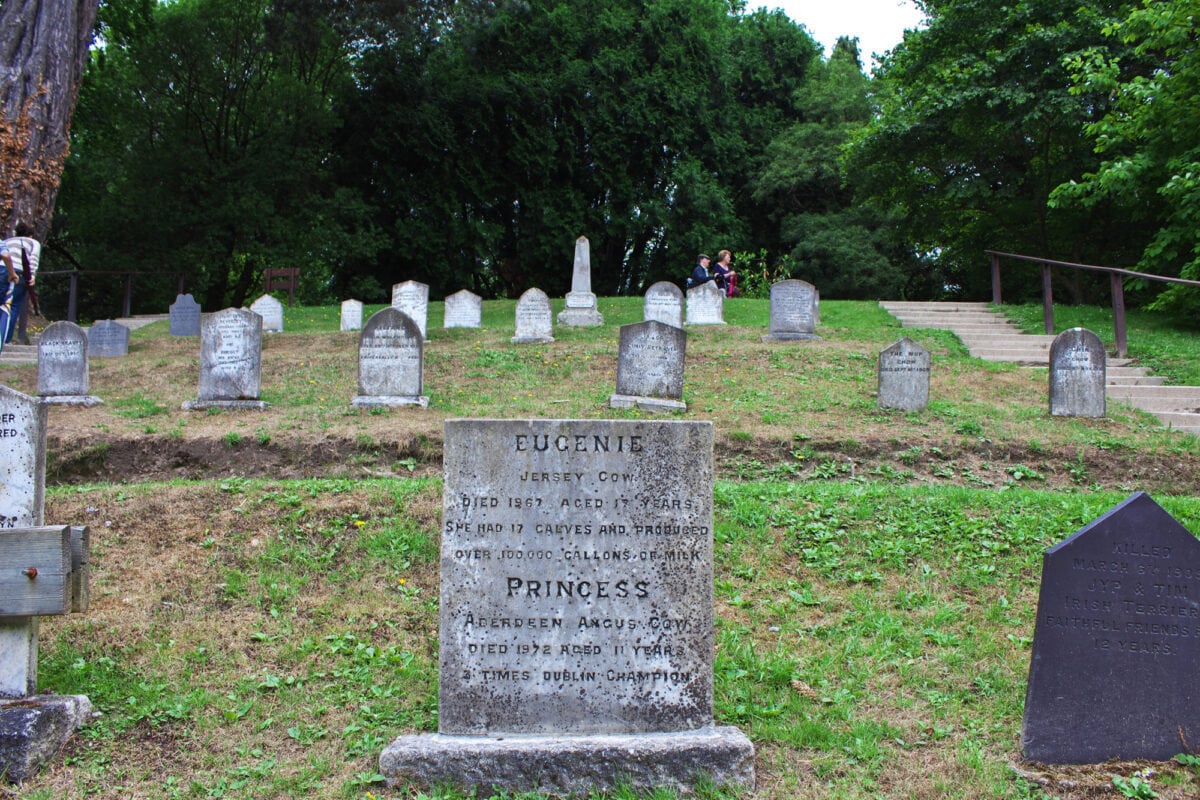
{"points": [[10, 286], [24, 252]]}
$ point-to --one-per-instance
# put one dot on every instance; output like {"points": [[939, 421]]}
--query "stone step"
{"points": [[19, 354], [1126, 381], [1180, 421], [933, 305], [1006, 340], [955, 320], [1180, 393], [1157, 404]]}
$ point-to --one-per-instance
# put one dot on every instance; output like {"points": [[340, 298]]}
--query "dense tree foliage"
{"points": [[1150, 138], [979, 121]]}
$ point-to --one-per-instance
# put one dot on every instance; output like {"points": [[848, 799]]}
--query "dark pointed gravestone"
{"points": [[230, 361], [576, 615], [184, 316], [1116, 645], [534, 319], [904, 376], [107, 339], [650, 367], [1077, 374], [793, 312], [63, 366], [390, 362]]}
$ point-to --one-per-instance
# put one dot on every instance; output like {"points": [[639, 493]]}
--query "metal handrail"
{"points": [[1115, 274], [73, 290]]}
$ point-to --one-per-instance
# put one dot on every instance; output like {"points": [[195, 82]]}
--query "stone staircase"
{"points": [[991, 336]]}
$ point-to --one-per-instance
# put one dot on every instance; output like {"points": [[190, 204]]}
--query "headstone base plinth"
{"points": [[789, 337], [645, 403], [532, 339], [86, 400], [226, 405], [573, 765], [580, 317], [367, 401], [34, 729]]}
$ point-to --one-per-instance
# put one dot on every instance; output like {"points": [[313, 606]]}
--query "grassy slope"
{"points": [[267, 638]]}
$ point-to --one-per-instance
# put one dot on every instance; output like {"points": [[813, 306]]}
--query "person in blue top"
{"points": [[700, 273]]}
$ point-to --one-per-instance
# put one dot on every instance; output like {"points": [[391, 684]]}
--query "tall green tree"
{"points": [[1149, 140], [202, 146], [978, 123]]}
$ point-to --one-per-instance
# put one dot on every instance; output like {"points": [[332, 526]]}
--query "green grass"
{"points": [[865, 633]]}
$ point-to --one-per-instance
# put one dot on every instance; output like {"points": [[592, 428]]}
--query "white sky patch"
{"points": [[878, 24]]}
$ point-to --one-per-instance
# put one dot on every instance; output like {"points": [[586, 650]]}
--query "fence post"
{"points": [[1047, 301], [73, 296], [128, 295], [995, 278], [1118, 303]]}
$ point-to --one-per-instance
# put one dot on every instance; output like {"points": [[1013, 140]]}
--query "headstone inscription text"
{"points": [[650, 365], [63, 365], [107, 339], [904, 376], [664, 303], [464, 309], [390, 361], [230, 358], [412, 297], [706, 305], [23, 466], [352, 313], [534, 319], [793, 311], [1116, 644], [576, 577], [271, 311], [1078, 375], [184, 316]]}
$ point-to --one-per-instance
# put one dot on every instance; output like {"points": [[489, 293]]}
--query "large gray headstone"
{"points": [[1077, 374], [1116, 645], [464, 309], [63, 365], [22, 497], [184, 317], [107, 339], [581, 302], [22, 459], [391, 361], [230, 361], [706, 305], [352, 313], [576, 622], [412, 298], [664, 303], [535, 320], [904, 376], [793, 312], [650, 361], [271, 311]]}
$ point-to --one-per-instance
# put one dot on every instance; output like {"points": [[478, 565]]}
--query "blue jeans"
{"points": [[6, 308], [19, 290]]}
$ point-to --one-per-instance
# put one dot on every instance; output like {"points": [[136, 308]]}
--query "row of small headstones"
{"points": [[649, 372]]}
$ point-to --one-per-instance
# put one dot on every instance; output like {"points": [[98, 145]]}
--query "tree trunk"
{"points": [[43, 51]]}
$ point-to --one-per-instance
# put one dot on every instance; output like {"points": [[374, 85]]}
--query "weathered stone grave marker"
{"points": [[390, 362], [793, 312], [535, 320], [63, 366], [904, 376], [230, 361], [580, 308], [184, 316], [576, 644], [43, 570], [664, 303], [412, 298], [1116, 645], [706, 305], [107, 339], [1078, 369], [650, 359], [271, 311], [352, 313], [464, 309]]}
